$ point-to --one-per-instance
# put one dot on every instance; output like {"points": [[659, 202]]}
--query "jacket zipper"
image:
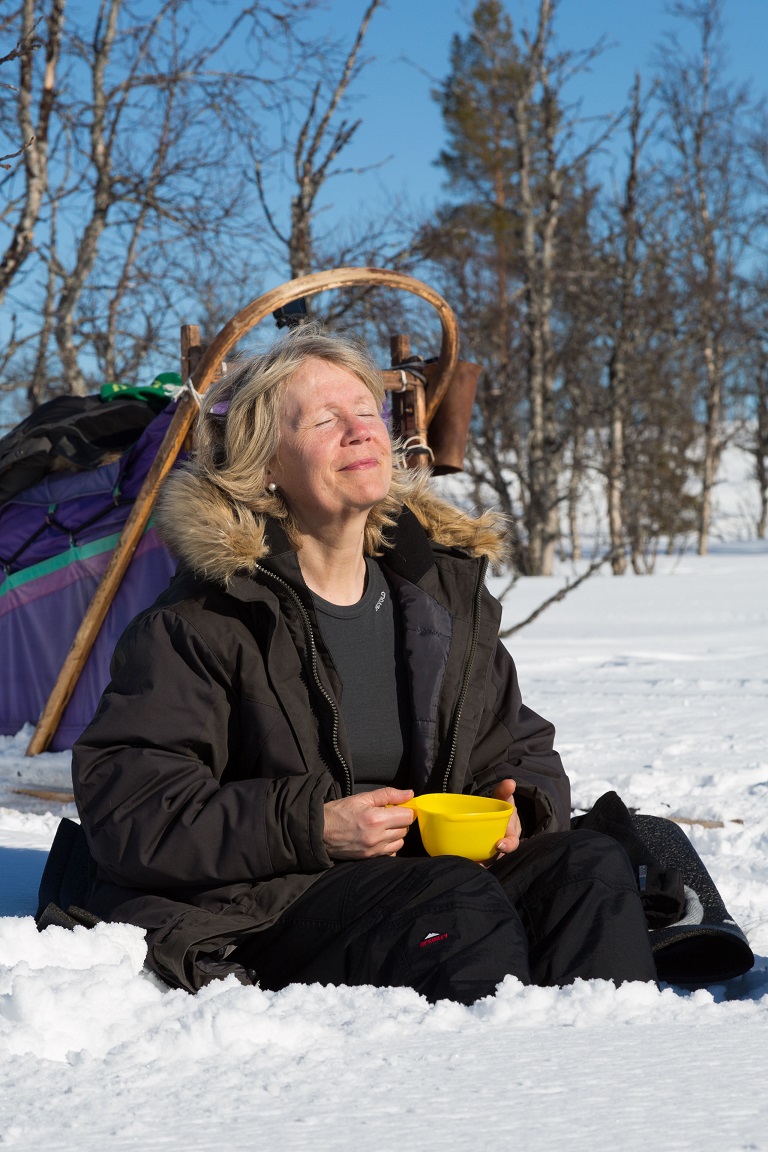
{"points": [[467, 667], [310, 637]]}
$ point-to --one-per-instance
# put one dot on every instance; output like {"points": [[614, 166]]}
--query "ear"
{"points": [[273, 472]]}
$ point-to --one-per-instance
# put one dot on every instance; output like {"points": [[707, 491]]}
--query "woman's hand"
{"points": [[366, 825], [505, 790]]}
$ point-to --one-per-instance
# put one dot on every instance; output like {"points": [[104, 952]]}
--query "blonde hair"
{"points": [[238, 430]]}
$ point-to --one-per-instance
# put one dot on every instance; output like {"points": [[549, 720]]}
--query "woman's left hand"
{"points": [[505, 790]]}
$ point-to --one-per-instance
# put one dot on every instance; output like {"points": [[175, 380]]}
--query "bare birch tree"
{"points": [[34, 105], [707, 182], [624, 338], [761, 446], [539, 230], [753, 436], [323, 134]]}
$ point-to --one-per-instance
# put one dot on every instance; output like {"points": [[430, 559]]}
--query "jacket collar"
{"points": [[410, 557]]}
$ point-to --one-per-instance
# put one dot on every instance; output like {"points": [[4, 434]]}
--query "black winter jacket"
{"points": [[202, 778]]}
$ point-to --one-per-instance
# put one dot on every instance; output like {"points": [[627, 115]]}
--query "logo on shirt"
{"points": [[380, 601]]}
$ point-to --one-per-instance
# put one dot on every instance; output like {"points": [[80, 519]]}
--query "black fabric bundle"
{"points": [[65, 879], [694, 939], [72, 431]]}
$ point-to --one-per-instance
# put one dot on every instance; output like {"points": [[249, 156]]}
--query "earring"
{"points": [[272, 486]]}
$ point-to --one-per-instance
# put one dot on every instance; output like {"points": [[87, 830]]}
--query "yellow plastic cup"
{"points": [[453, 824]]}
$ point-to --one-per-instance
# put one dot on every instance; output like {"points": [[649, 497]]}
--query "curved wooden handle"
{"points": [[318, 282]]}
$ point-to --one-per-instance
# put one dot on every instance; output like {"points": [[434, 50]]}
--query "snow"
{"points": [[658, 686]]}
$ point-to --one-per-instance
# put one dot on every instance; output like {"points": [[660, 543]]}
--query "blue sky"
{"points": [[409, 46], [410, 42]]}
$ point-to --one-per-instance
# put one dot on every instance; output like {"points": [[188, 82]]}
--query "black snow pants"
{"points": [[562, 906]]}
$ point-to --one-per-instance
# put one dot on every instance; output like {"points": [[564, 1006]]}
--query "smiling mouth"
{"points": [[359, 465]]}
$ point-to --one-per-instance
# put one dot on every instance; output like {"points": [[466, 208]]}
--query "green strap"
{"points": [[56, 563]]}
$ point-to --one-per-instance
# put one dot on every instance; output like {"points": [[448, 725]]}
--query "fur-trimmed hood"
{"points": [[217, 539]]}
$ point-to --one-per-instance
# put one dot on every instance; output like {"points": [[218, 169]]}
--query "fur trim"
{"points": [[483, 535], [205, 531], [210, 535]]}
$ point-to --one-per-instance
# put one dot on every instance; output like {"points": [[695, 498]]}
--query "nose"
{"points": [[356, 430]]}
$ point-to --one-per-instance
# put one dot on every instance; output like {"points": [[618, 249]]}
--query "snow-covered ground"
{"points": [[658, 686]]}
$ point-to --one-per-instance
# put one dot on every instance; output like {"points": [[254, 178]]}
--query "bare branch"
{"points": [[314, 153], [13, 155], [265, 206], [561, 594]]}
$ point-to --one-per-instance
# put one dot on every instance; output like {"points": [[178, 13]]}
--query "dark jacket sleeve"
{"points": [[515, 742], [147, 774]]}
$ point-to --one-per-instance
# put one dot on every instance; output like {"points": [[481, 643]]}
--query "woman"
{"points": [[327, 649]]}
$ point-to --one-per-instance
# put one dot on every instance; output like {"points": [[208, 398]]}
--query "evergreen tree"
{"points": [[497, 245]]}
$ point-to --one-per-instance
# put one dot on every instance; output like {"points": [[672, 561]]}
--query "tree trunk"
{"points": [[37, 388], [543, 454], [103, 196], [761, 446], [34, 136], [574, 493], [624, 338], [615, 477], [712, 443]]}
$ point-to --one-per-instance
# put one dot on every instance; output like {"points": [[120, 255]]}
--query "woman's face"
{"points": [[335, 459]]}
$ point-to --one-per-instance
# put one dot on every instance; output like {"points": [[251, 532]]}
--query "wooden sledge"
{"points": [[436, 395]]}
